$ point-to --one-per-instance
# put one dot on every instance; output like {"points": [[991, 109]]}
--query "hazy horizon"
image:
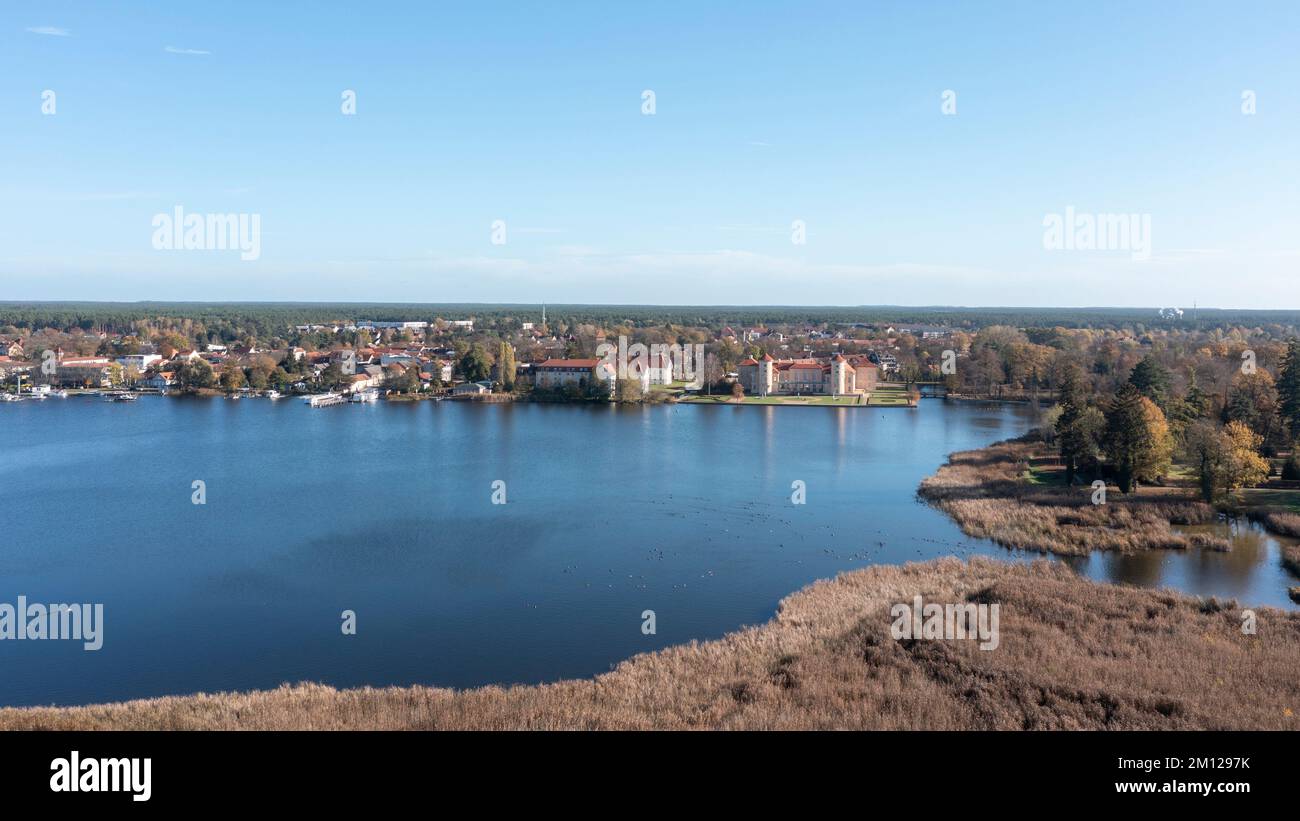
{"points": [[613, 304]]}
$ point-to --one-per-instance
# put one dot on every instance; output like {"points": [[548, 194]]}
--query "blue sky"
{"points": [[829, 113]]}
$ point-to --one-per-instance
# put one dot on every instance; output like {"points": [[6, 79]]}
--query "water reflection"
{"points": [[1251, 571]]}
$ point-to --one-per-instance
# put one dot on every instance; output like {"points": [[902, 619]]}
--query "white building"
{"points": [[472, 389], [373, 325], [139, 361]]}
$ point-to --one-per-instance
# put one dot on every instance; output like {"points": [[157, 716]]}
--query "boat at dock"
{"points": [[370, 395], [322, 400]]}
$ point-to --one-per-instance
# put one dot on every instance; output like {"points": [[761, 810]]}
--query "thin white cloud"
{"points": [[51, 31], [77, 196], [174, 50], [752, 228]]}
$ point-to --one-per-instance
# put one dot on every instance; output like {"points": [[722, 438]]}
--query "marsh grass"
{"points": [[1001, 493]]}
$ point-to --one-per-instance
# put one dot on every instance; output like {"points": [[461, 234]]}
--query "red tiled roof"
{"points": [[749, 361]]}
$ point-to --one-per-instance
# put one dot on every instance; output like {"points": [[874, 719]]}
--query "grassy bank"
{"points": [[1012, 493], [891, 397], [807, 401], [1072, 655]]}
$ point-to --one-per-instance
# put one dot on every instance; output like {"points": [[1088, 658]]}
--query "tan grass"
{"points": [[985, 493], [1073, 655]]}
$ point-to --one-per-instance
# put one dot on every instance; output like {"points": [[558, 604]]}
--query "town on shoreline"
{"points": [[523, 358]]}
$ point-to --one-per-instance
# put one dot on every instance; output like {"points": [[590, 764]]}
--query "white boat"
{"points": [[10, 397], [370, 395], [272, 394], [321, 400]]}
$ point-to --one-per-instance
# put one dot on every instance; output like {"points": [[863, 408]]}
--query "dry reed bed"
{"points": [[1072, 655], [985, 493]]}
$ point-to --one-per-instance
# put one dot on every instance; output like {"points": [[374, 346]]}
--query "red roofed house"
{"points": [[559, 373]]}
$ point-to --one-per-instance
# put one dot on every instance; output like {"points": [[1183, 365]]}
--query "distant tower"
{"points": [[765, 371], [543, 314], [839, 376]]}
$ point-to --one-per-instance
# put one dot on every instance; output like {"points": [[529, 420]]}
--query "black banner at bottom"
{"points": [[142, 771]]}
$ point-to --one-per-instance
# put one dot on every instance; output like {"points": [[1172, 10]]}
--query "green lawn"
{"points": [[889, 397], [774, 400], [675, 387], [1270, 497], [1045, 475]]}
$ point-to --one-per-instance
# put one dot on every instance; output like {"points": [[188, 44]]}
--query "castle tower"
{"points": [[839, 376], [766, 375]]}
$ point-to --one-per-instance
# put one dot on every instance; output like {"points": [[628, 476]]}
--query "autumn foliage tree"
{"points": [[1137, 440], [1226, 459], [1253, 401]]}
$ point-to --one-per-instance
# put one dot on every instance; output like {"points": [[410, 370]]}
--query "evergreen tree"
{"points": [[1127, 435], [1067, 424], [1288, 386], [1151, 379], [1078, 428]]}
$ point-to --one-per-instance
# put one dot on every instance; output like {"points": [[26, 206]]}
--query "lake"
{"points": [[387, 510]]}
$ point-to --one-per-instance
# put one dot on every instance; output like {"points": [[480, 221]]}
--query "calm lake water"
{"points": [[387, 510]]}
